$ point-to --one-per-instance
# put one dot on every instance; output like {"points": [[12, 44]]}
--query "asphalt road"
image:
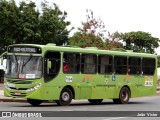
{"points": [[83, 110]]}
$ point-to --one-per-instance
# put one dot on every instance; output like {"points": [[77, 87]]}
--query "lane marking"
{"points": [[116, 118]]}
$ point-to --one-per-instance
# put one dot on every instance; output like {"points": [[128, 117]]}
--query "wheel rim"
{"points": [[125, 96], [65, 96]]}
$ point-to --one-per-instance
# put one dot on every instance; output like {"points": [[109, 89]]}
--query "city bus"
{"points": [[48, 72]]}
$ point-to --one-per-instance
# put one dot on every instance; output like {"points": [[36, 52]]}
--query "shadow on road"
{"points": [[80, 104]]}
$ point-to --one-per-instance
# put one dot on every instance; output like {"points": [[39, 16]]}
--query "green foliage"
{"points": [[53, 25], [140, 41], [24, 24], [86, 40], [27, 24], [8, 19]]}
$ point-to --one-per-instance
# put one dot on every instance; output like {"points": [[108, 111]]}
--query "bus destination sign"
{"points": [[24, 49], [30, 50]]}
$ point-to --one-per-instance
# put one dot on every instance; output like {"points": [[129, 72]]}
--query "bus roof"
{"points": [[119, 51]]}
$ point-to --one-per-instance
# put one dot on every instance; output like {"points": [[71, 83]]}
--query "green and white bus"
{"points": [[61, 73]]}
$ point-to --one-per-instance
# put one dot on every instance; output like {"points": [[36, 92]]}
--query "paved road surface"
{"points": [[51, 109]]}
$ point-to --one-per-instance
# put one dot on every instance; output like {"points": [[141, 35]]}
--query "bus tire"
{"points": [[123, 96], [66, 97], [34, 102], [95, 101]]}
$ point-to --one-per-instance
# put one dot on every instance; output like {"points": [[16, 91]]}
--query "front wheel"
{"points": [[66, 97], [95, 101], [123, 96], [34, 102]]}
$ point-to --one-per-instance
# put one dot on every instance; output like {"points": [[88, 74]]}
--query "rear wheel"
{"points": [[123, 96], [95, 101], [34, 102], [66, 97]]}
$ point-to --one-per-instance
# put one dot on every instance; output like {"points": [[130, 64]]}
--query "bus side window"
{"points": [[134, 64], [71, 63], [89, 63], [120, 65], [105, 63], [148, 66], [53, 65]]}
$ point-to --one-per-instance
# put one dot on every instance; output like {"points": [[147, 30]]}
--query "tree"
{"points": [[113, 41], [92, 34], [53, 26], [8, 20], [140, 41], [24, 24], [27, 30]]}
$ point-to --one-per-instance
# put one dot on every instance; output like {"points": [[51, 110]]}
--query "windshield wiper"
{"points": [[24, 63], [15, 60]]}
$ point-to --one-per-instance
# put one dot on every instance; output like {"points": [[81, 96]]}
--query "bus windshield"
{"points": [[24, 67]]}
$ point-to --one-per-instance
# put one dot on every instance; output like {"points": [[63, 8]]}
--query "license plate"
{"points": [[17, 93]]}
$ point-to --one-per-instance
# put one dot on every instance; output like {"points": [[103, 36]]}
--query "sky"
{"points": [[117, 15]]}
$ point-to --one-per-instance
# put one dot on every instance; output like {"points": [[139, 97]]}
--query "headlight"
{"points": [[9, 85], [34, 88]]}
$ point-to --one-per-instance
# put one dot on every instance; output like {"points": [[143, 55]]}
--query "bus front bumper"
{"points": [[36, 94]]}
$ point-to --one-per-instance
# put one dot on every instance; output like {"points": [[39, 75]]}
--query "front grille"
{"points": [[19, 84], [13, 88], [21, 81]]}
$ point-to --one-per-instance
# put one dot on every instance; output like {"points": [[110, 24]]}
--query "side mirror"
{"points": [[48, 65], [3, 57], [3, 61]]}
